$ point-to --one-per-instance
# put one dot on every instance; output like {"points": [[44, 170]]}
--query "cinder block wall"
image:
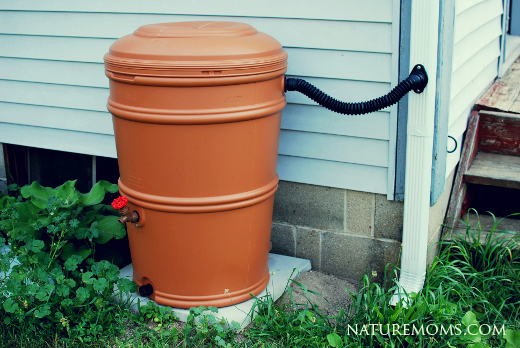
{"points": [[345, 233]]}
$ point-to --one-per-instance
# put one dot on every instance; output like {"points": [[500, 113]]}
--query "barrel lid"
{"points": [[195, 29], [202, 48]]}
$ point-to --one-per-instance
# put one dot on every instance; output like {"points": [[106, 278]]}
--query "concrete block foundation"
{"points": [[344, 233]]}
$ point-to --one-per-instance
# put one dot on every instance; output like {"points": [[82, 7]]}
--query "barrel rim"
{"points": [[208, 116], [199, 205]]}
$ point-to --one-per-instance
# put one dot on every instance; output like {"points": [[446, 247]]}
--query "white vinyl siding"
{"points": [[477, 32], [53, 90]]}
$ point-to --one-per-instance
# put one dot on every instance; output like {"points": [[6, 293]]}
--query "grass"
{"points": [[469, 284]]}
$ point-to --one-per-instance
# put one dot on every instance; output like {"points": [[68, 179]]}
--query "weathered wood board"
{"points": [[499, 132], [458, 192], [495, 170], [504, 95]]}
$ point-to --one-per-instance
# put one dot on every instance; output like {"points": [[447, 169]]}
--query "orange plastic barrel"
{"points": [[196, 108]]}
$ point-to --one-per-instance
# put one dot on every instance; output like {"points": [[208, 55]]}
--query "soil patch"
{"points": [[335, 292]]}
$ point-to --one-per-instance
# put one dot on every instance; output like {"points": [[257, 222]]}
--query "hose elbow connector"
{"points": [[419, 78], [417, 81]]}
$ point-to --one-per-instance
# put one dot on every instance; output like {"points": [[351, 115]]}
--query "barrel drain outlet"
{"points": [[145, 290]]}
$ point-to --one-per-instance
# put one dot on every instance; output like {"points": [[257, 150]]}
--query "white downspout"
{"points": [[419, 148]]}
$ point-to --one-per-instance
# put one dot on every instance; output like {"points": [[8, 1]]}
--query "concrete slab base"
{"points": [[282, 268]]}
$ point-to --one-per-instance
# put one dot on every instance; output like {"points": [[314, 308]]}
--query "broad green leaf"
{"points": [[42, 311], [38, 194], [335, 340], [36, 245], [100, 284], [512, 338], [10, 306], [72, 262], [82, 294], [67, 251], [42, 295], [67, 193], [83, 251], [87, 278], [109, 228], [26, 211], [66, 303], [6, 225], [19, 227], [70, 249], [71, 283], [126, 285], [45, 220], [97, 193], [62, 290], [112, 188], [469, 318], [95, 196], [471, 330], [92, 214]]}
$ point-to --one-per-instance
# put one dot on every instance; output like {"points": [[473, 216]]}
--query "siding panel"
{"points": [[474, 66], [353, 10], [59, 118], [304, 33], [53, 90], [333, 174], [463, 5], [334, 148], [475, 16], [73, 97], [472, 44], [321, 120], [470, 94], [475, 62], [58, 139]]}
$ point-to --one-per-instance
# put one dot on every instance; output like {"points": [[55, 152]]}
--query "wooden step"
{"points": [[495, 170], [499, 132], [504, 95], [487, 224]]}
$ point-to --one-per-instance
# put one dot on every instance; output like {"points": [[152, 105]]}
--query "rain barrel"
{"points": [[196, 109]]}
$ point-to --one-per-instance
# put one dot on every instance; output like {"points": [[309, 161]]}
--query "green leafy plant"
{"points": [[49, 278], [161, 316], [204, 329]]}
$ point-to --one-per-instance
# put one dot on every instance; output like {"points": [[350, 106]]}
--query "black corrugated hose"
{"points": [[417, 81]]}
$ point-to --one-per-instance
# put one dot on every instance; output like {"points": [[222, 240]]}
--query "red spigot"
{"points": [[127, 216]]}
